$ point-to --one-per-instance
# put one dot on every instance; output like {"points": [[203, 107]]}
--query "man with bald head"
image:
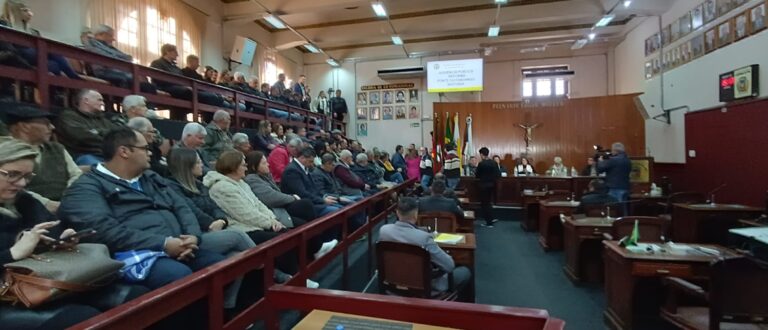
{"points": [[82, 130]]}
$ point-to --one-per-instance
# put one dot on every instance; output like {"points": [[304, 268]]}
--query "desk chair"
{"points": [[446, 221], [652, 229], [737, 298], [406, 270]]}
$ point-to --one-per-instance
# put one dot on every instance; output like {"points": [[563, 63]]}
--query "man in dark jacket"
{"points": [[363, 168], [134, 209], [103, 43], [82, 130], [338, 106], [616, 170], [398, 161], [351, 183], [437, 202], [487, 174], [596, 197], [296, 181], [167, 63]]}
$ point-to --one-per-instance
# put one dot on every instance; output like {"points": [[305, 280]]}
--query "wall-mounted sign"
{"points": [[390, 86], [740, 84]]}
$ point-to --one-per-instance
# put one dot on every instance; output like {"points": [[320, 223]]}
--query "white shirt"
{"points": [[103, 169]]}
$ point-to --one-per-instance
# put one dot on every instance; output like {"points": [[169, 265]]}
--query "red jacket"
{"points": [[278, 159], [347, 177]]}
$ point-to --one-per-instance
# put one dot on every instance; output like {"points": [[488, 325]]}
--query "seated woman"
{"points": [[524, 168], [26, 225], [278, 133], [502, 169], [244, 210], [290, 210], [390, 173], [263, 140]]}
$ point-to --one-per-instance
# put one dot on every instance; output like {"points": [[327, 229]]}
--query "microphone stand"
{"points": [[712, 194]]}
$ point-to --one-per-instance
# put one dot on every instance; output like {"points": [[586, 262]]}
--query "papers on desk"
{"points": [[759, 234], [452, 239], [672, 248]]}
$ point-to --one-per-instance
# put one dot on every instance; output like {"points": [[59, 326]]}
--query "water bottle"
{"points": [[574, 172]]}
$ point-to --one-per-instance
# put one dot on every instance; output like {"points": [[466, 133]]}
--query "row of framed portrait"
{"points": [[395, 96], [749, 22], [741, 26], [388, 112]]}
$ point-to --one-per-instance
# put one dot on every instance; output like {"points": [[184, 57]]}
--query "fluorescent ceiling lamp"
{"points": [[397, 40], [592, 36], [579, 44], [627, 3], [311, 48], [604, 21], [500, 2], [275, 22], [378, 8], [493, 31], [332, 62]]}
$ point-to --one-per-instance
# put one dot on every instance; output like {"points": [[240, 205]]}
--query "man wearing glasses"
{"points": [[133, 209], [55, 166]]}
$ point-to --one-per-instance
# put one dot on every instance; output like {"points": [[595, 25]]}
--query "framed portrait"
{"points": [[697, 46], [374, 97], [724, 6], [666, 35], [648, 50], [697, 17], [362, 98], [741, 26], [413, 112], [656, 41], [676, 57], [362, 113], [400, 112], [375, 113], [656, 66], [413, 95], [710, 39], [665, 61], [685, 24], [724, 34], [362, 129], [710, 11], [400, 96], [387, 113], [685, 52], [642, 169], [674, 31], [648, 70], [387, 97], [757, 18]]}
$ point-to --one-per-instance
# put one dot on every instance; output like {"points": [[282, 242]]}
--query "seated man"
{"points": [[157, 160], [193, 137], [190, 71], [327, 183], [352, 184], [437, 202], [167, 63], [241, 142], [54, 166], [102, 43], [297, 181], [82, 130], [218, 138], [364, 169], [405, 231], [281, 156], [597, 196], [133, 209], [133, 106]]}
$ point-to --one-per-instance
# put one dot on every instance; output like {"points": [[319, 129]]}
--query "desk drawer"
{"points": [[662, 269]]}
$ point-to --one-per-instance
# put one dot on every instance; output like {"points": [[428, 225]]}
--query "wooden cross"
{"points": [[528, 134]]}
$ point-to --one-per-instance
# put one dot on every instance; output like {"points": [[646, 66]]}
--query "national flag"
{"points": [[448, 129], [469, 148], [635, 236], [457, 136]]}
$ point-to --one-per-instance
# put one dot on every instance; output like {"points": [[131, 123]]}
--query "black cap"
{"points": [[16, 112]]}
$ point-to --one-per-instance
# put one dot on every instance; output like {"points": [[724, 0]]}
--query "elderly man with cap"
{"points": [[81, 130], [54, 167], [218, 138]]}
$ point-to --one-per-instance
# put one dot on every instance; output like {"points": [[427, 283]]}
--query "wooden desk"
{"points": [[467, 225], [550, 227], [705, 223], [752, 223], [317, 319], [463, 254], [644, 204], [531, 210], [583, 248], [632, 287]]}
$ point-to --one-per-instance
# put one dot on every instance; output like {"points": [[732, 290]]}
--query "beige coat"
{"points": [[245, 211]]}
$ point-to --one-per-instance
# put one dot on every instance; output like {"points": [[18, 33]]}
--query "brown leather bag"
{"points": [[53, 275]]}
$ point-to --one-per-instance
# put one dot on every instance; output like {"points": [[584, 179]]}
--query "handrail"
{"points": [[210, 282], [44, 80]]}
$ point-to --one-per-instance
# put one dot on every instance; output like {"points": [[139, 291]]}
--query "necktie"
{"points": [[136, 186]]}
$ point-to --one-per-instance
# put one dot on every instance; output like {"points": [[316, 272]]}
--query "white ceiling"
{"points": [[347, 29]]}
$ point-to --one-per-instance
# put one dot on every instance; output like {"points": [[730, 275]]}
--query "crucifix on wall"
{"points": [[528, 134]]}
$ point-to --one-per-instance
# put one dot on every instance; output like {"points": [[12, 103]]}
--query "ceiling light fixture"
{"points": [[379, 9], [579, 44], [592, 36], [332, 62], [311, 48], [397, 40], [493, 30], [627, 3], [604, 21], [275, 22], [500, 2]]}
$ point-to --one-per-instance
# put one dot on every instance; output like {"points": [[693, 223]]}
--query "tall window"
{"points": [[546, 81]]}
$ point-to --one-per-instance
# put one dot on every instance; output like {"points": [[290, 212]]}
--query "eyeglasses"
{"points": [[146, 147], [16, 176]]}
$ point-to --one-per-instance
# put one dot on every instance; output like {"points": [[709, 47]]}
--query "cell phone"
{"points": [[80, 234]]}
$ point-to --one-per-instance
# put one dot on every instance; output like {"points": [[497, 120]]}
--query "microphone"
{"points": [[712, 193]]}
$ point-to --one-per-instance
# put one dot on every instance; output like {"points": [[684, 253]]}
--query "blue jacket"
{"points": [[398, 162], [616, 170], [124, 218]]}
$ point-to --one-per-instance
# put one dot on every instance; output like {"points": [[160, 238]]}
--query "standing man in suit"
{"points": [[437, 202], [405, 231], [487, 174]]}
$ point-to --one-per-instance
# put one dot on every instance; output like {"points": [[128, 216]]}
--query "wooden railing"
{"points": [[43, 80]]}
